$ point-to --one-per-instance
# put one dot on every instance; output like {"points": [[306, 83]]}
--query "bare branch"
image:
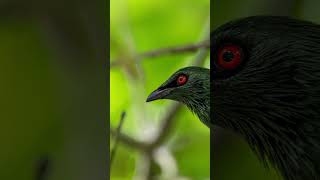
{"points": [[129, 141], [167, 125], [167, 51], [173, 50]]}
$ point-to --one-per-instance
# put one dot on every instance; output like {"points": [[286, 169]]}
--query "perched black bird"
{"points": [[265, 85]]}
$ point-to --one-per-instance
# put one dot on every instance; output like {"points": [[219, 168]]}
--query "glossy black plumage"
{"points": [[273, 98]]}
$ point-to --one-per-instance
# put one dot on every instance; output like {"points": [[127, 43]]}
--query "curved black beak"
{"points": [[157, 94]]}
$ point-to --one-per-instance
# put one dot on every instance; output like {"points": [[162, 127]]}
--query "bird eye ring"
{"points": [[182, 79], [229, 57]]}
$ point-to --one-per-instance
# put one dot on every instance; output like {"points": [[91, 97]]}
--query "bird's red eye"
{"points": [[182, 79], [229, 57]]}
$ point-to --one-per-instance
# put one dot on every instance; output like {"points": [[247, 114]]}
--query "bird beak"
{"points": [[157, 94]]}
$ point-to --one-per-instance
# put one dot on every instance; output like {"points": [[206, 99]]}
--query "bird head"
{"points": [[191, 86], [265, 74], [264, 71]]}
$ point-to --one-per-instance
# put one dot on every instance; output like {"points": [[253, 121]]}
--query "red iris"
{"points": [[181, 80], [229, 57]]}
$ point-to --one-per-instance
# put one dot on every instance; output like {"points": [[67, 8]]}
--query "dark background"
{"points": [[53, 90]]}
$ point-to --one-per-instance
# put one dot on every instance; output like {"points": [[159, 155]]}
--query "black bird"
{"points": [[265, 86]]}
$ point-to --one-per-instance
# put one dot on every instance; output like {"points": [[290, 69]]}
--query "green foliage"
{"points": [[139, 26]]}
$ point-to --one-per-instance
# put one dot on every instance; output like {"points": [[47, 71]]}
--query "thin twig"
{"points": [[174, 50], [167, 51], [167, 125], [116, 139], [129, 141]]}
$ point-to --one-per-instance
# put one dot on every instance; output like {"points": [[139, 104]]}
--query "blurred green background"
{"points": [[138, 26], [141, 25]]}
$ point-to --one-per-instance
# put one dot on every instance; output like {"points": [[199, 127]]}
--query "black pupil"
{"points": [[227, 56]]}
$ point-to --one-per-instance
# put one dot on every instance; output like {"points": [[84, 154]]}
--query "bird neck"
{"points": [[201, 107]]}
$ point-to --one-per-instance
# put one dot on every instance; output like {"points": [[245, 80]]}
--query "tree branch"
{"points": [[129, 141], [167, 124], [174, 50], [166, 51]]}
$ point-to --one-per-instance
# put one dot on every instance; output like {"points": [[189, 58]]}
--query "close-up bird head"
{"points": [[265, 74], [191, 86]]}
